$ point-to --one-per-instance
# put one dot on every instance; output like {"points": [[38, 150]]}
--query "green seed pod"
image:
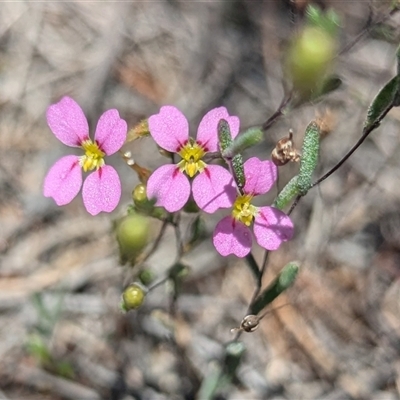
{"points": [[132, 235], [133, 296], [224, 135], [238, 170], [243, 141], [286, 194], [309, 157]]}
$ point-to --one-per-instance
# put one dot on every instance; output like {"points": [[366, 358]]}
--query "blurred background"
{"points": [[62, 334]]}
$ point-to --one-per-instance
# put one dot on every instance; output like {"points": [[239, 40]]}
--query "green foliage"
{"points": [[328, 85], [38, 342], [329, 21], [309, 157], [47, 318], [233, 355], [37, 348], [176, 274], [388, 97], [283, 281], [220, 374], [197, 230]]}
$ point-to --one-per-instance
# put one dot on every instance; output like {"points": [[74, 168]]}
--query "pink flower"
{"points": [[271, 226], [213, 186], [102, 188]]}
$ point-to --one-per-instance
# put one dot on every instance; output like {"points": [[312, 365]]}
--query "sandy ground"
{"points": [[62, 335]]}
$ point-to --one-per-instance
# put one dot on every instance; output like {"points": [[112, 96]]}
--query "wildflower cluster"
{"points": [[211, 186]]}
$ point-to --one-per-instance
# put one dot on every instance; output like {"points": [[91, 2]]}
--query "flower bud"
{"points": [[132, 235], [309, 59], [139, 193], [133, 296]]}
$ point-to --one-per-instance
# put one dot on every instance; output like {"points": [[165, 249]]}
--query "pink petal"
{"points": [[214, 188], [68, 122], [64, 180], [272, 227], [169, 128], [110, 132], [207, 132], [260, 176], [232, 237], [101, 190], [169, 186]]}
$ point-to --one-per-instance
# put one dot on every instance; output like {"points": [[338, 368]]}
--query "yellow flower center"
{"points": [[191, 162], [93, 158], [243, 211]]}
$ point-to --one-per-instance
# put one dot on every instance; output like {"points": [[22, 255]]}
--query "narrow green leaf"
{"points": [[211, 382], [243, 141], [398, 76], [289, 192], [252, 264], [283, 281], [309, 157], [329, 84], [177, 273], [387, 97], [197, 230], [233, 356]]}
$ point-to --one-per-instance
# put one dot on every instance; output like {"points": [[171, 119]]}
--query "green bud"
{"points": [[289, 192], [132, 235], [309, 59], [309, 157], [139, 193], [146, 277], [142, 203], [283, 281], [243, 141], [133, 296]]}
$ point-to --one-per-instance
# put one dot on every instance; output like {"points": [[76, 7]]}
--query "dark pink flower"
{"points": [[271, 226], [212, 186], [102, 188]]}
